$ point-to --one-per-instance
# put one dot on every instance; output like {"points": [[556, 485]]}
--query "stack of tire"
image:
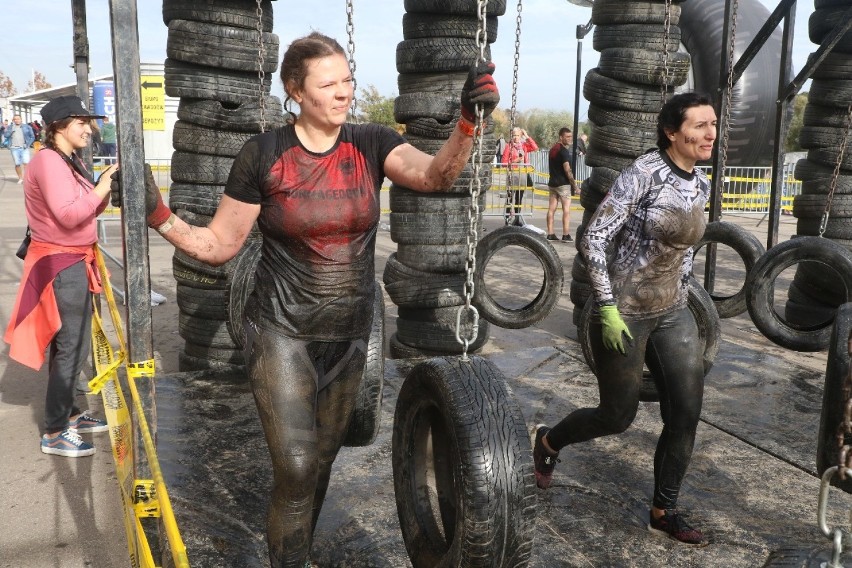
{"points": [[213, 67], [625, 95], [426, 276], [815, 293]]}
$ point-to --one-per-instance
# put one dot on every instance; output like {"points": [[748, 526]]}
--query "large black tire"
{"points": [[805, 557], [190, 137], [606, 12], [437, 55], [551, 286], [462, 466], [224, 12], [614, 94], [747, 247], [440, 336], [643, 36], [701, 306], [760, 286], [242, 285], [200, 168], [223, 85], [226, 47], [200, 199], [243, 117], [417, 25], [441, 259], [643, 66], [464, 7], [753, 98], [367, 415]]}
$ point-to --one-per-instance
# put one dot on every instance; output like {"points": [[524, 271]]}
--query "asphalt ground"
{"points": [[751, 486]]}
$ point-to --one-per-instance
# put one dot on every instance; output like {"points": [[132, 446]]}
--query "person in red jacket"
{"points": [[516, 156]]}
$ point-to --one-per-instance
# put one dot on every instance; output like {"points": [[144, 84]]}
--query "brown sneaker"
{"points": [[673, 526], [544, 461]]}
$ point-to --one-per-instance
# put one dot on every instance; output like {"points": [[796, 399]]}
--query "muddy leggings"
{"points": [[669, 345], [305, 393]]}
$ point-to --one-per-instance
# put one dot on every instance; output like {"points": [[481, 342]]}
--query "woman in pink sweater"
{"points": [[54, 303]]}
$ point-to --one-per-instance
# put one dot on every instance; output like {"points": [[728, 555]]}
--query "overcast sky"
{"points": [[41, 40]]}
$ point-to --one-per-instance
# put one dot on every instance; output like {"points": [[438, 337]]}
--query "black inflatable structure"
{"points": [[752, 125]]}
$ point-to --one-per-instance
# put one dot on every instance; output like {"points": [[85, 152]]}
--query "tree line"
{"points": [[37, 83]]}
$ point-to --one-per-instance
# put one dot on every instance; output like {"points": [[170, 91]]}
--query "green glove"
{"points": [[613, 329]]}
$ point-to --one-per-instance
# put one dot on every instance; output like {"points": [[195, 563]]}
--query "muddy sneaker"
{"points": [[544, 461], [672, 525], [85, 423], [552, 237], [567, 238], [67, 443]]}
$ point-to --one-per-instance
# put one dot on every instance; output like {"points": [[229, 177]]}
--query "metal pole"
{"points": [[125, 63], [81, 64], [717, 184], [582, 30], [782, 114]]}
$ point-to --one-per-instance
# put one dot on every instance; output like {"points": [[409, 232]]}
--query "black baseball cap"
{"points": [[65, 107]]}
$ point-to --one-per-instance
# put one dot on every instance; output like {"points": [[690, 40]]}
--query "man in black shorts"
{"points": [[561, 183]]}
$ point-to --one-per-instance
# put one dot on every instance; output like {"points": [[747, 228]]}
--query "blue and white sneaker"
{"points": [[85, 423], [67, 443]]}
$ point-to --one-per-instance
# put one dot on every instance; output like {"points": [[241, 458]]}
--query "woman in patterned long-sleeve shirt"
{"points": [[653, 214]]}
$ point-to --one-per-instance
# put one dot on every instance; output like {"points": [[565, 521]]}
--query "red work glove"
{"points": [[479, 89]]}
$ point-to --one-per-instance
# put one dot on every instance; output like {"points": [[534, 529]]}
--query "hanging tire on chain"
{"points": [[804, 557], [834, 401], [749, 250], [462, 467], [548, 294], [699, 303], [242, 285], [760, 290], [367, 414]]}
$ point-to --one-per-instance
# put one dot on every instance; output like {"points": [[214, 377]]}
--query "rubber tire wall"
{"points": [[753, 99]]}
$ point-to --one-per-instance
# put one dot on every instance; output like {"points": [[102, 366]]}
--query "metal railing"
{"points": [[746, 189]]}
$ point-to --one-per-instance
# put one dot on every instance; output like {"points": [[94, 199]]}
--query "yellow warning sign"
{"points": [[153, 102]]}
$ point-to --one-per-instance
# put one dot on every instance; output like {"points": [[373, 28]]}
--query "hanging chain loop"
{"points": [[474, 189], [350, 48], [729, 89], [833, 185], [261, 74], [513, 110], [667, 24]]}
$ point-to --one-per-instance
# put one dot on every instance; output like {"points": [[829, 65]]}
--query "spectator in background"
{"points": [[3, 128], [582, 142], [108, 139], [561, 183], [516, 156], [19, 137]]}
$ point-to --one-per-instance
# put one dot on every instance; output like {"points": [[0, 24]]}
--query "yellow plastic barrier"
{"points": [[142, 498]]}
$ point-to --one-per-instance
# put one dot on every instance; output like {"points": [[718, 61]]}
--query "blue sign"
{"points": [[103, 100]]}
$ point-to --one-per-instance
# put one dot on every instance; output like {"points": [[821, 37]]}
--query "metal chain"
{"points": [[833, 185], [513, 109], [475, 188], [350, 47], [729, 89], [668, 24], [261, 74]]}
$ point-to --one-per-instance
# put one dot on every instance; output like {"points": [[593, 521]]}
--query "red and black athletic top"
{"points": [[318, 217]]}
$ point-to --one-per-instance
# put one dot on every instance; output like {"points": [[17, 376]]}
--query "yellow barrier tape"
{"points": [[120, 430], [141, 498], [145, 369]]}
